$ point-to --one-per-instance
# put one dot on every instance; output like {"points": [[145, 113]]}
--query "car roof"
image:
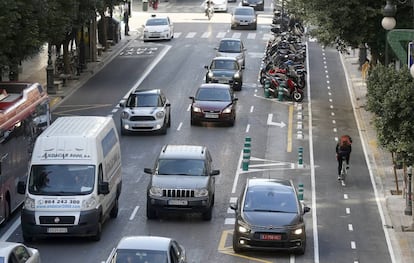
{"points": [[274, 182], [182, 151], [230, 39], [225, 58], [144, 242], [147, 91], [214, 86]]}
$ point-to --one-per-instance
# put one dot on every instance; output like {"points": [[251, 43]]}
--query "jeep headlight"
{"points": [[210, 74], [160, 115], [155, 191], [124, 115], [236, 75], [89, 203], [29, 203], [201, 192], [298, 231]]}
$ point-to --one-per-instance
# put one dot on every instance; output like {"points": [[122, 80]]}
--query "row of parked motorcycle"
{"points": [[283, 72]]}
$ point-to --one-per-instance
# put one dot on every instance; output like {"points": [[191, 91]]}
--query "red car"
{"points": [[214, 102]]}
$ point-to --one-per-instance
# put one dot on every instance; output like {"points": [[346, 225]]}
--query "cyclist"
{"points": [[343, 149], [208, 5]]}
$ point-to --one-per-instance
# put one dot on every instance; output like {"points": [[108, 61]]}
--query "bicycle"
{"points": [[344, 171]]}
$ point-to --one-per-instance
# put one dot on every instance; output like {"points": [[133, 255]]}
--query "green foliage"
{"points": [[391, 98]]}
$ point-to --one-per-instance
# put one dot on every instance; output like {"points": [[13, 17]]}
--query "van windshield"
{"points": [[61, 179]]}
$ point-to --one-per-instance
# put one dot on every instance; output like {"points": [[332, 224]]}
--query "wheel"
{"points": [[231, 123], [169, 121], [208, 214], [7, 210], [123, 131], [297, 96], [115, 209], [163, 129], [302, 249], [151, 213], [236, 246], [98, 233]]}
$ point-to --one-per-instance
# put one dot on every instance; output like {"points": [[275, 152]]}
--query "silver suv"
{"points": [[146, 110], [182, 180]]}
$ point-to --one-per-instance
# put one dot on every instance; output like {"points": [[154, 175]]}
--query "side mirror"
{"points": [[306, 209], [103, 188], [148, 171], [215, 172], [122, 104], [191, 97], [235, 99], [234, 206], [21, 187], [206, 67], [168, 104]]}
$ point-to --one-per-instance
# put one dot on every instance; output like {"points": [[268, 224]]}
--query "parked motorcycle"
{"points": [[288, 88]]}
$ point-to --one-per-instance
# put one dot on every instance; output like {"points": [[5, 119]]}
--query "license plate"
{"points": [[270, 237], [57, 230], [224, 81], [244, 23], [211, 115], [177, 202]]}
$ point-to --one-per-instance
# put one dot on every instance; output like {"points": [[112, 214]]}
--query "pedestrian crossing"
{"points": [[223, 34]]}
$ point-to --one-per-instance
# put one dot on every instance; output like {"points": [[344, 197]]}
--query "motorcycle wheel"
{"points": [[297, 96]]}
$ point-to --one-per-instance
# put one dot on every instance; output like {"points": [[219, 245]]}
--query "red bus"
{"points": [[24, 114]]}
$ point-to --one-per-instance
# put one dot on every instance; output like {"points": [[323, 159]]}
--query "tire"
{"points": [[115, 209], [7, 210], [169, 121], [208, 214], [151, 213], [231, 123], [236, 247], [123, 131], [297, 96], [98, 233], [302, 249], [163, 129]]}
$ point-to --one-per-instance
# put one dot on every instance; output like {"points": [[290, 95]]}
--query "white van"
{"points": [[74, 179]]}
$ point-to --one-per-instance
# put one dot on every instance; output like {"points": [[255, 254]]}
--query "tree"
{"points": [[391, 98], [352, 22]]}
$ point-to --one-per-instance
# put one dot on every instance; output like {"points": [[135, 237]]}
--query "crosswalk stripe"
{"points": [[190, 34], [251, 36], [236, 35], [205, 34], [221, 35], [177, 34]]}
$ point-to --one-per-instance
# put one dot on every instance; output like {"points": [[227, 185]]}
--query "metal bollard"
{"points": [[300, 192], [247, 142], [266, 88], [409, 202], [300, 155], [246, 153], [280, 91]]}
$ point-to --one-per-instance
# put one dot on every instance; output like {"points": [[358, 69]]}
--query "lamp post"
{"points": [[388, 23], [50, 71]]}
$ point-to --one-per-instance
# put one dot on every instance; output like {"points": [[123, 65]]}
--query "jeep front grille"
{"points": [[178, 193]]}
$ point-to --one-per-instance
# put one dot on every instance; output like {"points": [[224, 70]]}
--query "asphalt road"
{"points": [[344, 224]]}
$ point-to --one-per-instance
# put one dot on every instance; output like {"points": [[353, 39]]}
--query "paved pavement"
{"points": [[382, 173]]}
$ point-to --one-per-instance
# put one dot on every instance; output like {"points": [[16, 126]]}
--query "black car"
{"points": [[256, 4], [213, 103], [225, 70], [269, 216]]}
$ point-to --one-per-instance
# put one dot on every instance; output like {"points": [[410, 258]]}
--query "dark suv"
{"points": [[182, 180]]}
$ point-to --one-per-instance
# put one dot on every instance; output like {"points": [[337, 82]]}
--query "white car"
{"points": [[220, 5], [150, 249], [158, 28], [18, 252]]}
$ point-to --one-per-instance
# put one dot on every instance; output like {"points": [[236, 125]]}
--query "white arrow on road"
{"points": [[270, 122]]}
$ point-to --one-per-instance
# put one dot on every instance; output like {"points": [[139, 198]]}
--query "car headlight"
{"points": [[196, 109], [155, 191], [29, 203], [237, 75], [89, 203], [124, 115], [242, 227], [210, 74], [298, 231], [160, 114], [227, 110], [200, 192]]}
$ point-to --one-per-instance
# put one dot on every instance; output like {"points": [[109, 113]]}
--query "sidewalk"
{"points": [[393, 206]]}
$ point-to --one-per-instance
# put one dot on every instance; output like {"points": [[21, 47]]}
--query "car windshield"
{"points": [[157, 22], [141, 256], [142, 100], [213, 95], [269, 200], [61, 179], [230, 46], [224, 64], [244, 12], [181, 167]]}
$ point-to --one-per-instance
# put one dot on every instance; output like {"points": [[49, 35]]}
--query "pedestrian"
{"points": [[364, 69], [126, 20]]}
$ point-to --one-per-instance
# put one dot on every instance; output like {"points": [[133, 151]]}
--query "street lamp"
{"points": [[388, 23]]}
